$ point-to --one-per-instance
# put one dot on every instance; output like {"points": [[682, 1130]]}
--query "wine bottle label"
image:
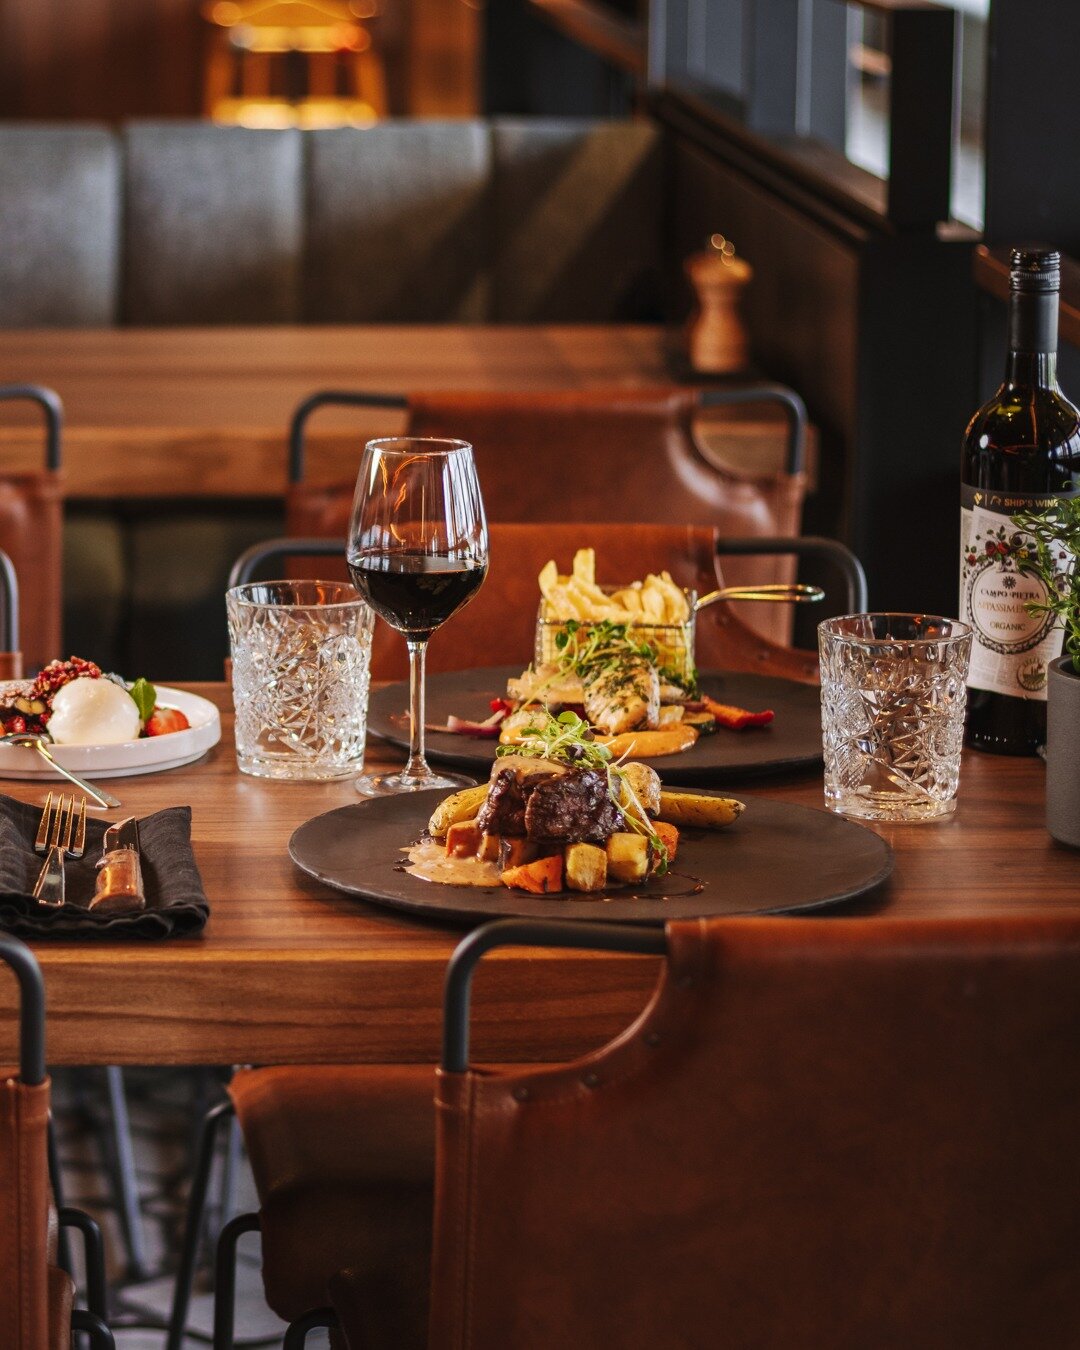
{"points": [[1011, 648]]}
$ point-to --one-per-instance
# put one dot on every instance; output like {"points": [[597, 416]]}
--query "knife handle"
{"points": [[119, 884]]}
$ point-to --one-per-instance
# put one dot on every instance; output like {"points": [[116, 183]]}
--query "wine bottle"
{"points": [[1021, 452]]}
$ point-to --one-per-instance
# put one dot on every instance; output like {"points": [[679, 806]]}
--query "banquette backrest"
{"points": [[406, 221]]}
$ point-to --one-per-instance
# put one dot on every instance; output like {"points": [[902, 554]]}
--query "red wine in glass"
{"points": [[417, 552]]}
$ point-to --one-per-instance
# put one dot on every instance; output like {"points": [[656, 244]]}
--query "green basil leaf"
{"points": [[145, 696]]}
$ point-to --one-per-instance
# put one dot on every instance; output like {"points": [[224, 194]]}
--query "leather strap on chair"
{"points": [[24, 1294], [343, 1159], [61, 1296]]}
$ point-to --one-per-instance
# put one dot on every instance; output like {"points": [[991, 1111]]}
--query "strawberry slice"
{"points": [[162, 721]]}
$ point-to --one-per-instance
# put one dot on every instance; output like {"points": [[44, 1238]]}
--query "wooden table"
{"points": [[290, 971], [203, 412]]}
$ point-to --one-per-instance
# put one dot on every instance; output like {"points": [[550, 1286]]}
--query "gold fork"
{"points": [[49, 887]]}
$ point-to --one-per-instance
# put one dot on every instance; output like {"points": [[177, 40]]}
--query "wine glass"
{"points": [[417, 551]]}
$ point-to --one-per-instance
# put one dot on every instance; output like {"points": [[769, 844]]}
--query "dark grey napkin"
{"points": [[176, 904]]}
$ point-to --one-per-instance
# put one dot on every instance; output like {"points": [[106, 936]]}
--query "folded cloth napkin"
{"points": [[176, 904]]}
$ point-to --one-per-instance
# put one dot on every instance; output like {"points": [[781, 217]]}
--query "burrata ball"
{"points": [[93, 712]]}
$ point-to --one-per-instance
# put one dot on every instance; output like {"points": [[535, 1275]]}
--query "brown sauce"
{"points": [[428, 860]]}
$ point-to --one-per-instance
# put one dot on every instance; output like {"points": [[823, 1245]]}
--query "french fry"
{"points": [[585, 566], [656, 600]]}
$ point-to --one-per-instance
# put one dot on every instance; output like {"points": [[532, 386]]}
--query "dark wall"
{"points": [[876, 329]]}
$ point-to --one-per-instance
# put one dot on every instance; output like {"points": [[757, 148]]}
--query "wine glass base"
{"points": [[387, 784]]}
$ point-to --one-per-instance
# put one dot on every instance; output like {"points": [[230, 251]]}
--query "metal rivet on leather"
{"points": [[591, 1079], [652, 1038], [521, 1094], [685, 981]]}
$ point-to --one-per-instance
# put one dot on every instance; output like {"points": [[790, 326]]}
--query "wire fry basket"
{"points": [[673, 642]]}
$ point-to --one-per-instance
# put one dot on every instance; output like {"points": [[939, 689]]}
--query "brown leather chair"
{"points": [[37, 1297], [497, 626], [592, 455], [31, 531], [820, 1133]]}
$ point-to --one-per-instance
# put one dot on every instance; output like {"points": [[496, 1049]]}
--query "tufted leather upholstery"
{"points": [[832, 1134]]}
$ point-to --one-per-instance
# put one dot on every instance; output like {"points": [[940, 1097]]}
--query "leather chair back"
{"points": [[593, 456], [25, 1238], [832, 1134], [32, 532]]}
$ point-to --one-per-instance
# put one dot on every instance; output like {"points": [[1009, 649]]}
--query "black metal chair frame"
{"points": [[91, 1319]]}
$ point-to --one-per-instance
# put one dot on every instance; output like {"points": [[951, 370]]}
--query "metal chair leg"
{"points": [[225, 1278], [125, 1180], [230, 1173], [93, 1257], [296, 1333], [101, 1338], [189, 1255]]}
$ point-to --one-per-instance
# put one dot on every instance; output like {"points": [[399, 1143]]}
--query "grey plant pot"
{"points": [[1063, 752]]}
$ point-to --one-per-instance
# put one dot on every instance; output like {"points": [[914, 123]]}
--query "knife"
{"points": [[119, 885]]}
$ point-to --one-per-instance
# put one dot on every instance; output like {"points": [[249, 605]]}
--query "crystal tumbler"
{"points": [[893, 696], [301, 656]]}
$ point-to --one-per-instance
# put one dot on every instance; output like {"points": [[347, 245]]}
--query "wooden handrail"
{"points": [[992, 274], [602, 30]]}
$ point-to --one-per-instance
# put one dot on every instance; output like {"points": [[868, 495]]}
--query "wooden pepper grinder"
{"points": [[715, 336]]}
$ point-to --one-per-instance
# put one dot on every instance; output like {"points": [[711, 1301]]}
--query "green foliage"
{"points": [[1053, 557]]}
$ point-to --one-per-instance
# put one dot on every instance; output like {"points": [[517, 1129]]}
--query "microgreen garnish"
{"points": [[590, 650], [568, 739]]}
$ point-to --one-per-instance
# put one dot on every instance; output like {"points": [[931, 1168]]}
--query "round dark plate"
{"points": [[792, 740], [775, 859]]}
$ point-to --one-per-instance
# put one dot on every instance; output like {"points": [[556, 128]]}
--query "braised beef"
{"points": [[575, 806], [504, 810]]}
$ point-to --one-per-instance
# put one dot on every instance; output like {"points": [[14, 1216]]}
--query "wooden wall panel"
{"points": [[100, 59], [107, 60]]}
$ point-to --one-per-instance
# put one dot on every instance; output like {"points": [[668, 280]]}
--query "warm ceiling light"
{"points": [[364, 9], [226, 13]]}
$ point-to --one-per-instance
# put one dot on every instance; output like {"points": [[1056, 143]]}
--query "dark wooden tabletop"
{"points": [[290, 971]]}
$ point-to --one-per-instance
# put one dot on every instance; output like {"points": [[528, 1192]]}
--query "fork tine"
{"points": [[79, 847], [69, 821], [42, 840], [57, 821]]}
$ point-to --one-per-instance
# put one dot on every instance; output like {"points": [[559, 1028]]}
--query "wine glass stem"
{"points": [[417, 766]]}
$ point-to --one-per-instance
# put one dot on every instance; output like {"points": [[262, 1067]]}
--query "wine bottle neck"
{"points": [[1033, 340]]}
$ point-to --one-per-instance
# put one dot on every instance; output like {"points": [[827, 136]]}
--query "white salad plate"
{"points": [[150, 754]]}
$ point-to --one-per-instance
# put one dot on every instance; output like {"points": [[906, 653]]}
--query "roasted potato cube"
{"points": [[516, 851], [627, 857], [707, 813], [586, 867], [463, 839], [462, 805], [490, 847], [540, 877]]}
